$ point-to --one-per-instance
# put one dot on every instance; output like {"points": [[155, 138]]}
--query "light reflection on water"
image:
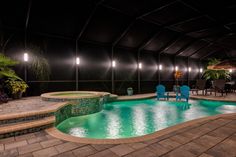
{"points": [[139, 119], [136, 118]]}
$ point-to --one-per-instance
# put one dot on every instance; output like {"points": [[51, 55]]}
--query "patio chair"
{"points": [[219, 86], [233, 87], [161, 92], [184, 93], [200, 85]]}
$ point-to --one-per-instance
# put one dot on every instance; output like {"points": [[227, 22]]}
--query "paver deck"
{"points": [[206, 139], [25, 104]]}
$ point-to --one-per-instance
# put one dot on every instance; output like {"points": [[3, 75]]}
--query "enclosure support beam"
{"points": [[170, 43], [123, 33], [202, 47], [210, 53], [79, 36], [139, 72], [27, 21], [139, 17], [157, 9], [184, 47], [188, 72], [144, 44], [77, 77], [88, 20], [206, 46], [159, 71], [112, 71]]}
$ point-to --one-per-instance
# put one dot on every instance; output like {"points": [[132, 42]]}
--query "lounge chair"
{"points": [[161, 92], [219, 86], [184, 93], [200, 85]]}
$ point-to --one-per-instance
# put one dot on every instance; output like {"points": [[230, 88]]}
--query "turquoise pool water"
{"points": [[140, 117]]}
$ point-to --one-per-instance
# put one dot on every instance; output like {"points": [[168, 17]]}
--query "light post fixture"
{"points": [[139, 77], [77, 61], [159, 73], [113, 65], [200, 70], [176, 68], [26, 59], [140, 65], [189, 69]]}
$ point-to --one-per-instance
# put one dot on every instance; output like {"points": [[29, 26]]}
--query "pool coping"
{"points": [[57, 134], [153, 95], [51, 95]]}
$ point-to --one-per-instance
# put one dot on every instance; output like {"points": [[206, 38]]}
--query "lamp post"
{"points": [[139, 77], [189, 72], [159, 73], [77, 61], [26, 59], [113, 65], [200, 72]]}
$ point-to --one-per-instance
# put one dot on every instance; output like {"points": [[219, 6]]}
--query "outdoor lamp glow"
{"points": [[113, 63], [26, 57], [189, 69], [230, 70], [200, 70], [77, 60], [176, 68], [160, 67], [140, 65]]}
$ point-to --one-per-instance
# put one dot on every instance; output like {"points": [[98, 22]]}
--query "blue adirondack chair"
{"points": [[184, 93], [161, 92]]}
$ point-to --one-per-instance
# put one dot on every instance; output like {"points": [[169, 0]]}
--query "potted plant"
{"points": [[214, 74], [17, 87], [130, 91]]}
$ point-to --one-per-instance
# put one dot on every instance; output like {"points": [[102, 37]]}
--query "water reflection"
{"points": [[113, 124], [139, 120]]}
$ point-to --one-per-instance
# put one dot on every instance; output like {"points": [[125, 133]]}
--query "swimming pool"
{"points": [[127, 119]]}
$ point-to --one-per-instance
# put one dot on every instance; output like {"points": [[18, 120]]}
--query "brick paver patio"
{"points": [[206, 139]]}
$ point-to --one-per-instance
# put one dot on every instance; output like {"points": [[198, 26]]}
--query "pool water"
{"points": [[140, 117]]}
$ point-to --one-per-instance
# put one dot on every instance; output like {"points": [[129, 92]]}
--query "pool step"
{"points": [[19, 128]]}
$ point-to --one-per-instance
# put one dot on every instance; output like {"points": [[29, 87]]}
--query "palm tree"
{"points": [[210, 74], [5, 67]]}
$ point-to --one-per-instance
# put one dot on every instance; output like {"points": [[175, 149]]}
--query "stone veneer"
{"points": [[79, 107]]}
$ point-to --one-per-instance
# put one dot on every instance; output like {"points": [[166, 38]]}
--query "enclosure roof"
{"points": [[190, 28]]}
